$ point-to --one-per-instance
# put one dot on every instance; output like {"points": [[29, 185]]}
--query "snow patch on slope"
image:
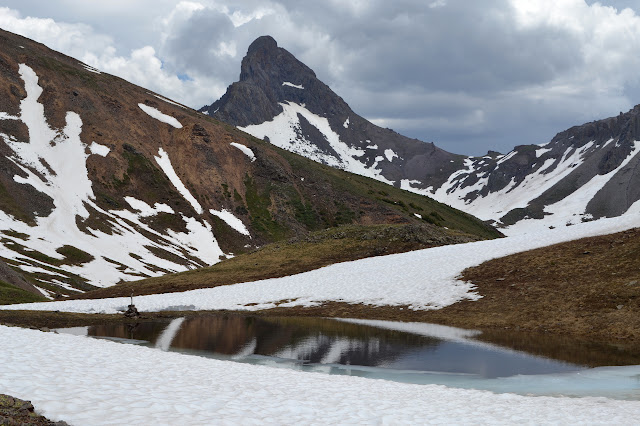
{"points": [[390, 154], [5, 116], [145, 209], [91, 69], [285, 132], [245, 150], [160, 116], [101, 150], [231, 220], [540, 152], [165, 164], [496, 204]]}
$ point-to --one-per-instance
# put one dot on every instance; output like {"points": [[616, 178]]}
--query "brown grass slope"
{"points": [[585, 287]]}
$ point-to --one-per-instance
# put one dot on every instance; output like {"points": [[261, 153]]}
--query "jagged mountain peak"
{"points": [[269, 76], [269, 66], [308, 118], [265, 42]]}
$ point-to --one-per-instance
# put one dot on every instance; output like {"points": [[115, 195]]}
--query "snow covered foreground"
{"points": [[424, 279], [88, 381]]}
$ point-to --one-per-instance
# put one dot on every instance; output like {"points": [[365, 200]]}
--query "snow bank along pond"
{"points": [[416, 353]]}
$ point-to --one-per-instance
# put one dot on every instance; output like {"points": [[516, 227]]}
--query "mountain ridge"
{"points": [[584, 173]]}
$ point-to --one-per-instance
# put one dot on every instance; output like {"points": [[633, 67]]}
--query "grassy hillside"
{"points": [[10, 294], [404, 202]]}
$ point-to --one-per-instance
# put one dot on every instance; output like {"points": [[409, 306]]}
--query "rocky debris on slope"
{"points": [[17, 412]]}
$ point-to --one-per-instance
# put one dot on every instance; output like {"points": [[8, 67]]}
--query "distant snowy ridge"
{"points": [[595, 165]]}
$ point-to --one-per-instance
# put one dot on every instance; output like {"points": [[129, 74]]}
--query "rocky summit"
{"points": [[102, 181], [584, 173], [280, 99]]}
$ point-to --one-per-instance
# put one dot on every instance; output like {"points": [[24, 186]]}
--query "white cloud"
{"points": [[72, 39], [609, 41], [142, 66]]}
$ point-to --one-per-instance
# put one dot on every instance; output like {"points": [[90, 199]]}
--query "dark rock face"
{"points": [[260, 88], [522, 184]]}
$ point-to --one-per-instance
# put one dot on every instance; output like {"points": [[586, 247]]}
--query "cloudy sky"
{"points": [[468, 75]]}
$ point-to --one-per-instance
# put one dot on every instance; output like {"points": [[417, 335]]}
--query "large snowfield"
{"points": [[85, 381], [89, 382]]}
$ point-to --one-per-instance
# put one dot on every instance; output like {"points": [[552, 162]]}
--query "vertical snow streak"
{"points": [[165, 164]]}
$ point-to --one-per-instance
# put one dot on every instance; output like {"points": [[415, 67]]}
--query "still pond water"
{"points": [[405, 352]]}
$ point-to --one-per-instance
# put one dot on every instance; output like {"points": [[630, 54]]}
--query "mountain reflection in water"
{"points": [[312, 341]]}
